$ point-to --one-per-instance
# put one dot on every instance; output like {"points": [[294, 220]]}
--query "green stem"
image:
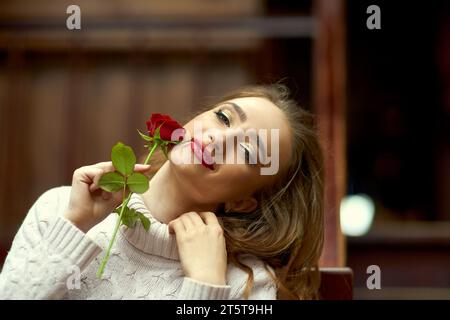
{"points": [[116, 228], [155, 145]]}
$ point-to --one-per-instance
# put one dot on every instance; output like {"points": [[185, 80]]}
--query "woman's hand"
{"points": [[201, 246], [88, 204]]}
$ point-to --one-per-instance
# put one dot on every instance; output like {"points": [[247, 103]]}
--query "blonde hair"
{"points": [[286, 230]]}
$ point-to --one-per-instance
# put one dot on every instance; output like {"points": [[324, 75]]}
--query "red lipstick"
{"points": [[202, 154]]}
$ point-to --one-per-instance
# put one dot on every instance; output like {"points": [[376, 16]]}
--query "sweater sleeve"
{"points": [[192, 289], [264, 288], [46, 252]]}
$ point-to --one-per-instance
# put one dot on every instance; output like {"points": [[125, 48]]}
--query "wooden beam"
{"points": [[156, 34], [330, 100]]}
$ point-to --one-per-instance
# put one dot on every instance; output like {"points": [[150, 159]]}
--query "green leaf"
{"points": [[129, 217], [157, 135], [137, 182], [123, 159], [111, 182], [144, 220], [145, 137]]}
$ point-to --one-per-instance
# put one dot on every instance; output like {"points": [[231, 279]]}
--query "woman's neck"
{"points": [[165, 200]]}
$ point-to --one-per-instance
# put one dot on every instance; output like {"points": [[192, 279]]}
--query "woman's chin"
{"points": [[192, 168]]}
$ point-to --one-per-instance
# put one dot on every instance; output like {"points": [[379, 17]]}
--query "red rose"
{"points": [[167, 124]]}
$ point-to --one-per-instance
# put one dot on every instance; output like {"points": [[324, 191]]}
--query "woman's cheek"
{"points": [[235, 176]]}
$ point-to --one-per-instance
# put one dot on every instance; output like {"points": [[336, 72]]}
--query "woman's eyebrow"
{"points": [[239, 111]]}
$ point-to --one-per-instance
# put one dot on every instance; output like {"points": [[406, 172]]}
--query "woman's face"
{"points": [[235, 140]]}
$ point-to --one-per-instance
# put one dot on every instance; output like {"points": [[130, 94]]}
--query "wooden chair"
{"points": [[336, 284]]}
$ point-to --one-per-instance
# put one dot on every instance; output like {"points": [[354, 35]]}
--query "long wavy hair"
{"points": [[286, 230]]}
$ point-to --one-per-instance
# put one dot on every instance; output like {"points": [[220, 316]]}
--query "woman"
{"points": [[219, 231]]}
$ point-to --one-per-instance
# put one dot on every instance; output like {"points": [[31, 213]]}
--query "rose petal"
{"points": [[167, 126]]}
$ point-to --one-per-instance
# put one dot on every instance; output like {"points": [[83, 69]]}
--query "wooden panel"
{"points": [[103, 9], [15, 139], [130, 25], [329, 95], [46, 93]]}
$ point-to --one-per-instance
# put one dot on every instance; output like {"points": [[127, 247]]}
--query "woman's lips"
{"points": [[203, 155]]}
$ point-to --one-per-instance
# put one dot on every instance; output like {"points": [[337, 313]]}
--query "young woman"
{"points": [[221, 231]]}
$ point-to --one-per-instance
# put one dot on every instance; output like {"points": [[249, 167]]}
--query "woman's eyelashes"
{"points": [[223, 117]]}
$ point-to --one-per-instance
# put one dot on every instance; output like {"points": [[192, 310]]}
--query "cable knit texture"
{"points": [[50, 258]]}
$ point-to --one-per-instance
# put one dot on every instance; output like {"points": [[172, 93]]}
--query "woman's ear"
{"points": [[244, 205]]}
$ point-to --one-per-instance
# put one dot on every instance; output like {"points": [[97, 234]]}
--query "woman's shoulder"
{"points": [[52, 202], [56, 192], [262, 280], [55, 195], [258, 266]]}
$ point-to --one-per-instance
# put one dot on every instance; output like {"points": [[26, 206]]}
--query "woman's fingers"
{"points": [[176, 226], [98, 170], [202, 249], [107, 166], [88, 203], [86, 174], [104, 167], [209, 218], [142, 167], [192, 220]]}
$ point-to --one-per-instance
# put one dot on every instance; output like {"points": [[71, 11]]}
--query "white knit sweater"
{"points": [[50, 258]]}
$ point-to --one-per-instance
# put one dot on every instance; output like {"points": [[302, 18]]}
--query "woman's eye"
{"points": [[222, 117]]}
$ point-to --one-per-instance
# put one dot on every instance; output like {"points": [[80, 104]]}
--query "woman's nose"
{"points": [[221, 137], [209, 139], [231, 134]]}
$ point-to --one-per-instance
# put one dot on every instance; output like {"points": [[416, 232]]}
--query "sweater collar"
{"points": [[157, 240]]}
